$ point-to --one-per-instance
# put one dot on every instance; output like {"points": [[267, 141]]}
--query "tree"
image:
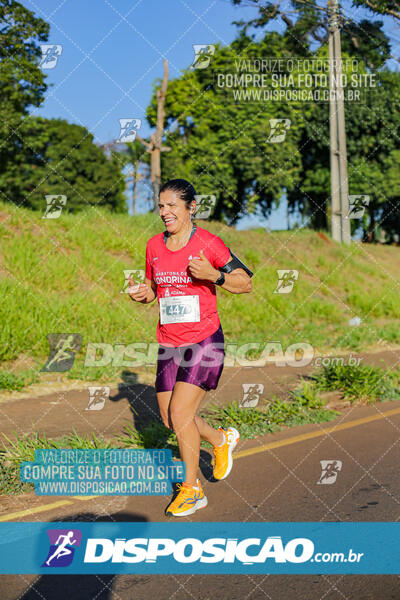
{"points": [[52, 157], [374, 148], [22, 82], [134, 157], [381, 7], [306, 21], [372, 126], [220, 144], [373, 144]]}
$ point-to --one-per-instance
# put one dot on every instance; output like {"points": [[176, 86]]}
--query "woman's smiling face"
{"points": [[173, 211]]}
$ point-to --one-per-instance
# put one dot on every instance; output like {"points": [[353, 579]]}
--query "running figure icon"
{"points": [[63, 347], [62, 549]]}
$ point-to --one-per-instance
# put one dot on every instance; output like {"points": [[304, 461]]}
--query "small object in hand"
{"points": [[133, 287]]}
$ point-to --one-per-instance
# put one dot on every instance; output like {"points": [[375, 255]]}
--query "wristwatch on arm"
{"points": [[220, 280]]}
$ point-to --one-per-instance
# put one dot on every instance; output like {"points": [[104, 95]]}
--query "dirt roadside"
{"points": [[63, 410]]}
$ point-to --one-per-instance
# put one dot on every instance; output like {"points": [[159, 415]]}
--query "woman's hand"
{"points": [[141, 292], [203, 269]]}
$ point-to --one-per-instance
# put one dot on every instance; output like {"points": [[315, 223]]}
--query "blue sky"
{"points": [[113, 52]]}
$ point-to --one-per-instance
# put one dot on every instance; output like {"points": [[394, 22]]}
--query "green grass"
{"points": [[17, 381], [303, 406], [154, 435], [65, 275], [22, 448], [362, 383]]}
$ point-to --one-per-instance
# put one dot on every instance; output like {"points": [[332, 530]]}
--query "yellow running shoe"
{"points": [[223, 461], [188, 500]]}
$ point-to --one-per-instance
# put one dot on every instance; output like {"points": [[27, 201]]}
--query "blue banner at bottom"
{"points": [[195, 548]]}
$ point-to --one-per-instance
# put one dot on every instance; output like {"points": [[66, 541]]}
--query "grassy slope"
{"points": [[65, 275]]}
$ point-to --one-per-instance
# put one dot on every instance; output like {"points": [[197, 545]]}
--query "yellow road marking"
{"points": [[84, 497], [241, 454], [37, 509], [314, 434]]}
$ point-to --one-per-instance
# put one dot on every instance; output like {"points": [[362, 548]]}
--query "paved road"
{"points": [[274, 479]]}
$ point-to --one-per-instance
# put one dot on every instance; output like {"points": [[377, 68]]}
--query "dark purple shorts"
{"points": [[200, 364]]}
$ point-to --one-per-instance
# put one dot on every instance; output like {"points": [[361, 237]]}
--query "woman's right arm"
{"points": [[146, 293]]}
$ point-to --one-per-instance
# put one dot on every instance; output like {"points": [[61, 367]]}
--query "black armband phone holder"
{"points": [[235, 263]]}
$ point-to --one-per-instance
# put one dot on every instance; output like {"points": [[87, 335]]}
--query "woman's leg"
{"points": [[167, 368], [208, 433], [202, 364], [164, 399], [184, 403]]}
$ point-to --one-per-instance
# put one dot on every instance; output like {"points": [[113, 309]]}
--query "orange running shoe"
{"points": [[223, 461], [188, 500]]}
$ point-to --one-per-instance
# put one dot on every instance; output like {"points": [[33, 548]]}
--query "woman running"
{"points": [[183, 266]]}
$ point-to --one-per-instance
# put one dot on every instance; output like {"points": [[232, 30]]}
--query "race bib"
{"points": [[179, 309]]}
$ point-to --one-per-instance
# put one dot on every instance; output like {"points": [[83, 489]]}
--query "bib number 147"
{"points": [[178, 309], [185, 309]]}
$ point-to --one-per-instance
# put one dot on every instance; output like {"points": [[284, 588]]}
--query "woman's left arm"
{"points": [[236, 282]]}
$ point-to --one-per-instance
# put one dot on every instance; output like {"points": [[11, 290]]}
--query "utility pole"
{"points": [[339, 184], [155, 146]]}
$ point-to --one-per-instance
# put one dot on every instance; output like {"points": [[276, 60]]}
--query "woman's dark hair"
{"points": [[185, 189]]}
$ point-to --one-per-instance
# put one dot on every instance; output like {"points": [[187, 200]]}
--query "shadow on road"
{"points": [[83, 587], [142, 400]]}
